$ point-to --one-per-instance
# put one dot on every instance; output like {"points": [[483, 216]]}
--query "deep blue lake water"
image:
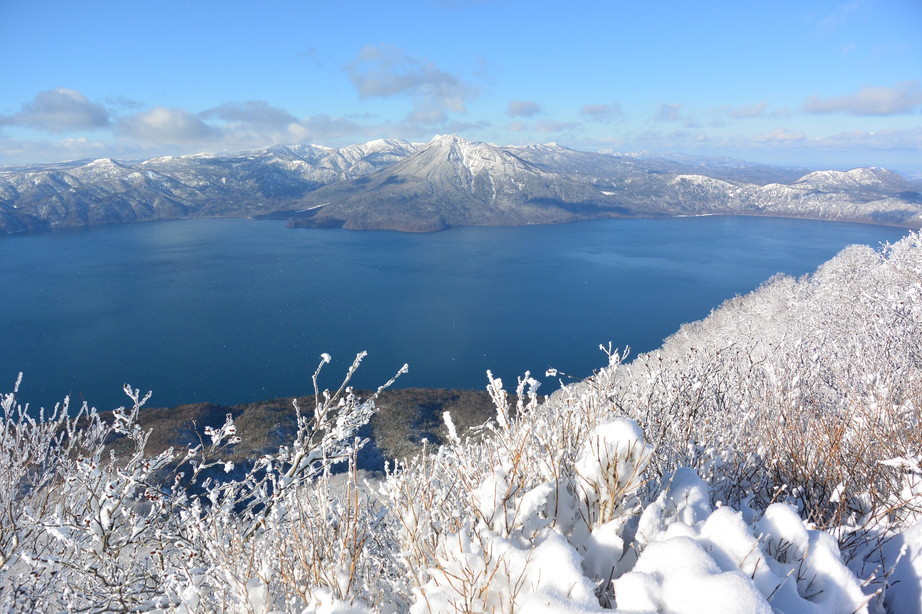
{"points": [[232, 310]]}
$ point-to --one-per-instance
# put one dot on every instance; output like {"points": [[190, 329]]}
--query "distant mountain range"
{"points": [[449, 181]]}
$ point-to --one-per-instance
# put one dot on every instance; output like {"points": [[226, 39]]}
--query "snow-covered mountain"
{"points": [[447, 182], [453, 182]]}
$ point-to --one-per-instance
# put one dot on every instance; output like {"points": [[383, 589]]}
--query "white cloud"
{"points": [[601, 112], [549, 125], [254, 112], [170, 126], [123, 102], [255, 123], [902, 98], [385, 71], [897, 139], [157, 130], [748, 111], [428, 112], [326, 127], [839, 16], [59, 110], [523, 108], [542, 126], [16, 150], [667, 112], [779, 135], [246, 124], [459, 127], [407, 129]]}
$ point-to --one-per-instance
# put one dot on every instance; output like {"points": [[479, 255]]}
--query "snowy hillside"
{"points": [[450, 181], [765, 459]]}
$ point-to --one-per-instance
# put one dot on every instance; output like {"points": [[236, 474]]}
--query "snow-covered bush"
{"points": [[86, 529], [766, 459], [799, 390]]}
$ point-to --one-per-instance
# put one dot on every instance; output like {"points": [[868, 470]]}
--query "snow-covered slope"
{"points": [[449, 181], [249, 183], [452, 182], [764, 461], [873, 179]]}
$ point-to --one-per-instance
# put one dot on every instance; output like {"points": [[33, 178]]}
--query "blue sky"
{"points": [[823, 83]]}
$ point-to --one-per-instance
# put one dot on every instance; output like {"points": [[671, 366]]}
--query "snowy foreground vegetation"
{"points": [[766, 459]]}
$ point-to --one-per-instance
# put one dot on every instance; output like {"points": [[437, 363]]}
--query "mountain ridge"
{"points": [[449, 181]]}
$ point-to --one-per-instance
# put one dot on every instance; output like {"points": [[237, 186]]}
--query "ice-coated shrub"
{"points": [[765, 459], [88, 530], [609, 468], [525, 541], [477, 570], [797, 391]]}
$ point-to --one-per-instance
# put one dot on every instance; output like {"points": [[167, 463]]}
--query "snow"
{"points": [[711, 561], [560, 506], [483, 572], [613, 454], [468, 160], [678, 575], [604, 550], [904, 553], [869, 177], [685, 557], [682, 504]]}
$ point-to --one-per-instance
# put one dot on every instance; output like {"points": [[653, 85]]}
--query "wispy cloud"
{"points": [[902, 98], [168, 126], [549, 125], [59, 110], [779, 135], [17, 150], [748, 111], [601, 112], [385, 71], [232, 125], [839, 16], [523, 108], [123, 102], [324, 126], [784, 143], [253, 112], [545, 126], [459, 127], [667, 112], [128, 131], [895, 139]]}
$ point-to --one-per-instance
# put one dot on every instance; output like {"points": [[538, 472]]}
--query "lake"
{"points": [[232, 310]]}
